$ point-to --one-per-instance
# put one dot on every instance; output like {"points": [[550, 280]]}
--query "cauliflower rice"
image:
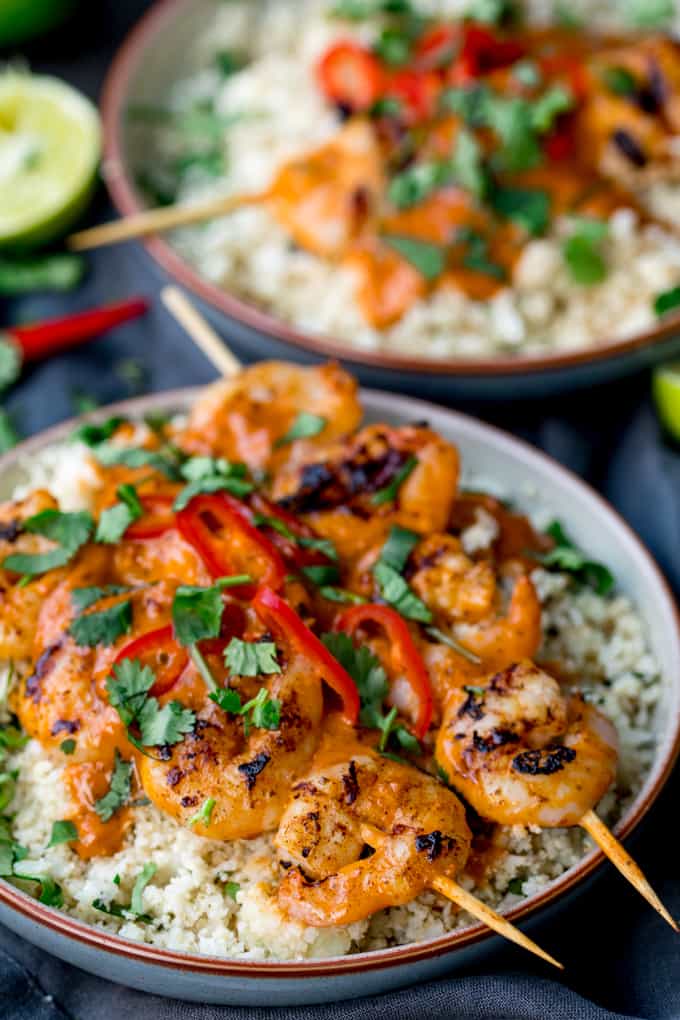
{"points": [[276, 112], [216, 898]]}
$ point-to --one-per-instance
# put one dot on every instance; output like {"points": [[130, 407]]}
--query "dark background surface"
{"points": [[618, 953]]}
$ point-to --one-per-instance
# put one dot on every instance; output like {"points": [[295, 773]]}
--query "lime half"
{"points": [[666, 390], [50, 144]]}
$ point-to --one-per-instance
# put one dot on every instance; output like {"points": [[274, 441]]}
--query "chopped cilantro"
{"points": [[50, 893], [94, 433], [390, 492], [320, 573], [229, 62], [251, 658], [393, 46], [649, 13], [62, 832], [115, 520], [10, 362], [204, 813], [581, 251], [467, 165], [548, 107], [516, 886], [413, 185], [491, 12], [231, 889], [263, 712], [399, 545], [667, 301], [565, 556], [104, 627], [168, 724], [528, 207], [347, 598], [68, 746], [393, 588], [128, 691], [69, 531], [227, 699], [620, 81], [360, 10], [476, 255], [305, 426], [83, 598], [428, 259], [197, 613], [165, 460], [119, 790], [527, 73], [141, 882]]}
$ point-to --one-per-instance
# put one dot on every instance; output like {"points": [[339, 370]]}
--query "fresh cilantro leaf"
{"points": [[265, 710], [528, 207], [390, 492], [207, 467], [104, 627], [321, 573], [10, 362], [393, 46], [527, 73], [227, 699], [667, 301], [12, 738], [69, 531], [347, 598], [229, 62], [567, 557], [62, 832], [83, 598], [141, 882], [512, 120], [128, 688], [386, 728], [50, 893], [649, 13], [136, 457], [231, 889], [119, 790], [547, 108], [197, 613], [204, 813], [467, 164], [68, 746], [399, 545], [469, 102], [92, 434], [9, 437], [477, 692], [305, 426], [366, 671], [167, 725], [620, 81], [397, 593], [516, 886], [443, 774], [251, 658], [6, 859], [7, 789], [215, 483], [428, 259], [115, 521], [413, 185], [581, 251], [491, 12], [476, 254]]}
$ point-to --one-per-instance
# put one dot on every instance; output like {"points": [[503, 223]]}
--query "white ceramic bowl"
{"points": [[530, 478]]}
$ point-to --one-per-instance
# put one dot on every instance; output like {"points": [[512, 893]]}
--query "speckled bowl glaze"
{"points": [[531, 480], [155, 55]]}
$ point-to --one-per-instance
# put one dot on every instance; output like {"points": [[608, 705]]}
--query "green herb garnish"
{"points": [[390, 492], [428, 259], [204, 813], [115, 520], [62, 832], [104, 627], [567, 557], [119, 790], [251, 658], [581, 251], [667, 301], [305, 426], [128, 689], [69, 531]]}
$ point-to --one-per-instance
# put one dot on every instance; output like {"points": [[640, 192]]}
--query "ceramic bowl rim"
{"points": [[128, 201], [99, 938]]}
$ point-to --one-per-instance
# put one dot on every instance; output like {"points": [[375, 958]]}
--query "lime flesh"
{"points": [[666, 391], [22, 19], [50, 144]]}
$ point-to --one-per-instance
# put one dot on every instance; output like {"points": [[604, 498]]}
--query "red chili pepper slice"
{"points": [[278, 616], [403, 648], [158, 517], [351, 75], [45, 338], [218, 528], [417, 92], [159, 650], [484, 51], [436, 48]]}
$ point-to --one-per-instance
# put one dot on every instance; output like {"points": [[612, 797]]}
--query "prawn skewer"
{"points": [[522, 753], [179, 305], [466, 901]]}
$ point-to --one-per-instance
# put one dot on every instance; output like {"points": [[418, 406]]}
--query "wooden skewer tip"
{"points": [[202, 334]]}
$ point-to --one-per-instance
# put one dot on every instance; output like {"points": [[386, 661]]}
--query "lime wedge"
{"points": [[50, 143], [22, 19], [666, 391]]}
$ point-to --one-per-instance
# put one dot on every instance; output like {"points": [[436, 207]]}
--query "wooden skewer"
{"points": [[203, 335], [616, 853], [155, 221], [466, 901]]}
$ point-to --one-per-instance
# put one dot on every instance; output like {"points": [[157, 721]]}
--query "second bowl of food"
{"points": [[253, 657], [452, 205]]}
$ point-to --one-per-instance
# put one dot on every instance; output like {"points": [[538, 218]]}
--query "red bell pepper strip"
{"points": [[484, 51], [158, 517], [351, 75], [159, 650], [403, 648], [278, 617], [46, 338], [218, 528]]}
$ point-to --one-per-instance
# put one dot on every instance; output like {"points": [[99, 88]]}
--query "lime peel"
{"points": [[666, 393]]}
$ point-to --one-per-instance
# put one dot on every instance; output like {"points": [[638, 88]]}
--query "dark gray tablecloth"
{"points": [[621, 959]]}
